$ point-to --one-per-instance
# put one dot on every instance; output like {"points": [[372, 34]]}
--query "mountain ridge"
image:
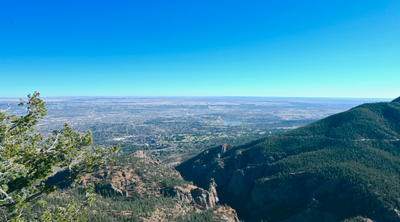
{"points": [[396, 100], [299, 175]]}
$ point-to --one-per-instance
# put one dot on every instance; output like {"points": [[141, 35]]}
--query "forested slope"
{"points": [[341, 167]]}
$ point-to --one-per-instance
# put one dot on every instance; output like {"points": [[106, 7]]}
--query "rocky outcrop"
{"points": [[150, 158], [197, 197], [117, 190], [190, 197], [201, 200], [213, 191], [226, 214], [119, 181]]}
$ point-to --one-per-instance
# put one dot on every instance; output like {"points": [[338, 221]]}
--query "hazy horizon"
{"points": [[198, 97]]}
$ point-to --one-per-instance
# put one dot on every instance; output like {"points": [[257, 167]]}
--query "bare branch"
{"points": [[54, 143], [20, 212], [3, 111], [8, 198]]}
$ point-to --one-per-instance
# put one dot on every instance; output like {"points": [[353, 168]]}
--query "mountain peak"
{"points": [[396, 100]]}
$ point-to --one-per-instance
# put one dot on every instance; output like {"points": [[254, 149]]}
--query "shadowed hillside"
{"points": [[344, 167]]}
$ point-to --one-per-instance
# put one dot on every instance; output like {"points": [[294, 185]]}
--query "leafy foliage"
{"points": [[27, 159]]}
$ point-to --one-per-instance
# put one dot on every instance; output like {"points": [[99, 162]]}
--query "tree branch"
{"points": [[3, 111], [8, 198]]}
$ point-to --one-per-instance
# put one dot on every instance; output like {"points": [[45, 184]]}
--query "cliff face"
{"points": [[234, 177], [331, 170]]}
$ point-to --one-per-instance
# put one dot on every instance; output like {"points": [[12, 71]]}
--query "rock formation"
{"points": [[197, 197]]}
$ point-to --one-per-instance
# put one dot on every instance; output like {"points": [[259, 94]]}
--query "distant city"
{"points": [[177, 128]]}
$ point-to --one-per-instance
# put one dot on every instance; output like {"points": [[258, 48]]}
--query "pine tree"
{"points": [[27, 159]]}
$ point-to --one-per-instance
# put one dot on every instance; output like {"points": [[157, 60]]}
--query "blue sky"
{"points": [[200, 48]]}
